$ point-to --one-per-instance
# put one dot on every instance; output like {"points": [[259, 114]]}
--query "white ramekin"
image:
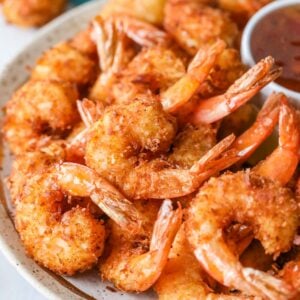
{"points": [[246, 53]]}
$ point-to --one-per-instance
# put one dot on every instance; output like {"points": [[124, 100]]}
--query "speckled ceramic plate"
{"points": [[85, 286]]}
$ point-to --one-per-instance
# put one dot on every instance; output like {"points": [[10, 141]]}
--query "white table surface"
{"points": [[12, 285]]}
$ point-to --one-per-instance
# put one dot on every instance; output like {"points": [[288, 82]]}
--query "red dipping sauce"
{"points": [[278, 35]]}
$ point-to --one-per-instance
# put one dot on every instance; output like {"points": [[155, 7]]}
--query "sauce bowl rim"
{"points": [[246, 52]]}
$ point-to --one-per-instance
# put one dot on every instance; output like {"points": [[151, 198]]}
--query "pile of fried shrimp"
{"points": [[132, 142]]}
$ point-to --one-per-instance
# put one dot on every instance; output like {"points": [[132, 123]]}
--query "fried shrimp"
{"points": [[134, 264], [66, 242], [33, 162], [227, 69], [64, 63], [159, 71], [37, 110], [183, 278], [215, 108], [31, 12], [69, 240], [153, 70], [125, 147], [147, 10], [263, 126], [255, 198], [194, 25]]}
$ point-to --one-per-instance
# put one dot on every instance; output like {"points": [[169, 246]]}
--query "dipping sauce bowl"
{"points": [[275, 31]]}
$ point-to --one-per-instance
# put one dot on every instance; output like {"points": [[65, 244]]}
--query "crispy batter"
{"points": [[37, 110], [65, 63], [66, 242], [147, 10], [194, 25], [32, 12], [135, 262]]}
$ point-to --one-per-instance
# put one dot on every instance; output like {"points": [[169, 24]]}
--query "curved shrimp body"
{"points": [[69, 240], [194, 25], [125, 147], [184, 272], [39, 109], [66, 242], [286, 155], [227, 69], [215, 108], [197, 72], [65, 63], [240, 197], [263, 126], [32, 13], [134, 264], [149, 11], [255, 198], [33, 162], [123, 132], [153, 70]]}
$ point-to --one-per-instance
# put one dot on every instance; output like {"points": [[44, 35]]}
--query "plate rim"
{"points": [[7, 251]]}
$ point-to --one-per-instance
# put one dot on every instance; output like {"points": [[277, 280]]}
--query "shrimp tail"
{"points": [[165, 229], [82, 181], [285, 157], [144, 34], [213, 153], [216, 108], [273, 288], [166, 226], [264, 125], [89, 111], [198, 70], [110, 42]]}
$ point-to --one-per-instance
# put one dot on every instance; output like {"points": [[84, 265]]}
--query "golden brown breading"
{"points": [[32, 12]]}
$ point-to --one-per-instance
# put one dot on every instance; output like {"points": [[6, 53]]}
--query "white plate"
{"points": [[85, 286]]}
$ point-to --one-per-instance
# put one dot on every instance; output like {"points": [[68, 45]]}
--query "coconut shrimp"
{"points": [[33, 162], [39, 109], [115, 50], [160, 71], [134, 262], [146, 10], [184, 272], [69, 240], [242, 90], [246, 193], [194, 25], [32, 13], [65, 63], [125, 147]]}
